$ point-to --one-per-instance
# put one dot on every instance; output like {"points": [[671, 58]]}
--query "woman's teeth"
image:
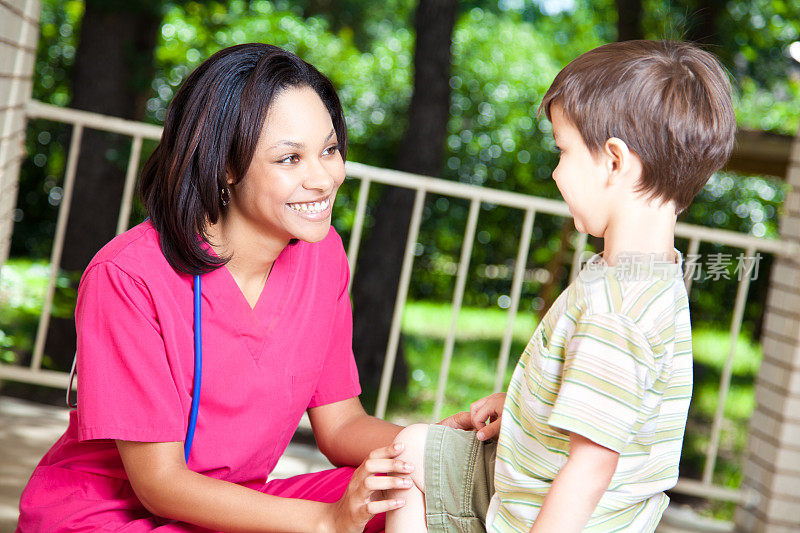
{"points": [[311, 207]]}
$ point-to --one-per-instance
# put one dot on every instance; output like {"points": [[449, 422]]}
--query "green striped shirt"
{"points": [[612, 361]]}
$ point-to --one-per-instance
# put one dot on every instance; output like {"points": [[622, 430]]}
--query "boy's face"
{"points": [[581, 177]]}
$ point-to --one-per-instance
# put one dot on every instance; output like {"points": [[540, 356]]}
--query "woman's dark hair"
{"points": [[211, 131]]}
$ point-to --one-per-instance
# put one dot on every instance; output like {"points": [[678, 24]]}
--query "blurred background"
{"points": [[439, 88]]}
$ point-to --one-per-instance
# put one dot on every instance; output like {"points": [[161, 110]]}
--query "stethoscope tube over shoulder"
{"points": [[198, 370], [198, 367]]}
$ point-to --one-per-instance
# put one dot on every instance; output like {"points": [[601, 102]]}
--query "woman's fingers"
{"points": [[381, 506], [364, 496], [387, 466], [374, 483], [393, 450]]}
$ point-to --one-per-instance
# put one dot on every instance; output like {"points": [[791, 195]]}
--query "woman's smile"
{"points": [[317, 210]]}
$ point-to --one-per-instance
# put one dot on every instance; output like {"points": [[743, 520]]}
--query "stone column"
{"points": [[19, 33], [772, 467]]}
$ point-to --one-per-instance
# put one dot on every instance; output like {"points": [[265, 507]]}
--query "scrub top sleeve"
{"points": [[339, 377], [126, 389]]}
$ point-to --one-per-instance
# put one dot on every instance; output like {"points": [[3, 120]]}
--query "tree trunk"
{"points": [[378, 272], [112, 72], [629, 20]]}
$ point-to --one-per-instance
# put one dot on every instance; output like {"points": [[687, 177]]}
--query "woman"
{"points": [[240, 190]]}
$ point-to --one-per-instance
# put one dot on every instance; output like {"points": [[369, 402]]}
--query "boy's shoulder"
{"points": [[650, 301]]}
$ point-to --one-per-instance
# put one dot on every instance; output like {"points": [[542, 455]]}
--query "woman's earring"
{"points": [[224, 196]]}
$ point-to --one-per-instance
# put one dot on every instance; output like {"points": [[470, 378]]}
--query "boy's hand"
{"points": [[489, 408], [462, 420]]}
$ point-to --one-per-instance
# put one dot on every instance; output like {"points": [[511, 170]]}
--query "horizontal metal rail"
{"points": [[424, 187], [94, 121], [405, 180]]}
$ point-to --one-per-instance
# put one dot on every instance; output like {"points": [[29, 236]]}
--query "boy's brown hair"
{"points": [[669, 101]]}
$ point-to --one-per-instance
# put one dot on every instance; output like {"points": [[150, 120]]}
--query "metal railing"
{"points": [[424, 186]]}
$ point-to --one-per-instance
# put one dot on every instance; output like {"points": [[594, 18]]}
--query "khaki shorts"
{"points": [[459, 480]]}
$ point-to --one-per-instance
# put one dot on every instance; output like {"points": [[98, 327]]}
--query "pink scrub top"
{"points": [[262, 368]]}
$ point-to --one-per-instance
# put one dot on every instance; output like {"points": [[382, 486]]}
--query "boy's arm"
{"points": [[577, 488]]}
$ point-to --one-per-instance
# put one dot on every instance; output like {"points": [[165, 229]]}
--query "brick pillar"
{"points": [[772, 467], [19, 33]]}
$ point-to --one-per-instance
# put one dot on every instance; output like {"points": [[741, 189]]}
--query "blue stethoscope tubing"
{"points": [[198, 368]]}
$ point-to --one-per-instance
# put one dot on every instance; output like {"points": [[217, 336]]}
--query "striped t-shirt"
{"points": [[612, 361]]}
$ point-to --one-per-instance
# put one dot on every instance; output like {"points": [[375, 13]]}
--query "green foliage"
{"points": [[711, 347], [588, 24], [374, 85], [365, 21], [59, 30], [22, 290], [496, 138], [767, 78]]}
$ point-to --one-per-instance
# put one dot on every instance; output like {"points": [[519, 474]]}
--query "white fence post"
{"points": [[772, 466], [18, 37]]}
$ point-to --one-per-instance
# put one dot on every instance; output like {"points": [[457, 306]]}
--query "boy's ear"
{"points": [[620, 160]]}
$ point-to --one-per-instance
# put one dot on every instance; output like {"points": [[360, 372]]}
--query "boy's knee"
{"points": [[413, 436], [413, 439]]}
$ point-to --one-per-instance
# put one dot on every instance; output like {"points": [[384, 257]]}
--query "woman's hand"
{"points": [[489, 408], [364, 497]]}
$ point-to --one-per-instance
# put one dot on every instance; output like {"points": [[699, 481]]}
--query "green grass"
{"points": [[429, 319]]}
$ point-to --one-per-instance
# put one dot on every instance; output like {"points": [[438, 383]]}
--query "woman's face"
{"points": [[289, 188]]}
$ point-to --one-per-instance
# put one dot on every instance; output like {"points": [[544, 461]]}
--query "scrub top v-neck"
{"points": [[262, 366], [222, 294]]}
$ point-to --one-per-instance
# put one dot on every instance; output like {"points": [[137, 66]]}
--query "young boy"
{"points": [[593, 422]]}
